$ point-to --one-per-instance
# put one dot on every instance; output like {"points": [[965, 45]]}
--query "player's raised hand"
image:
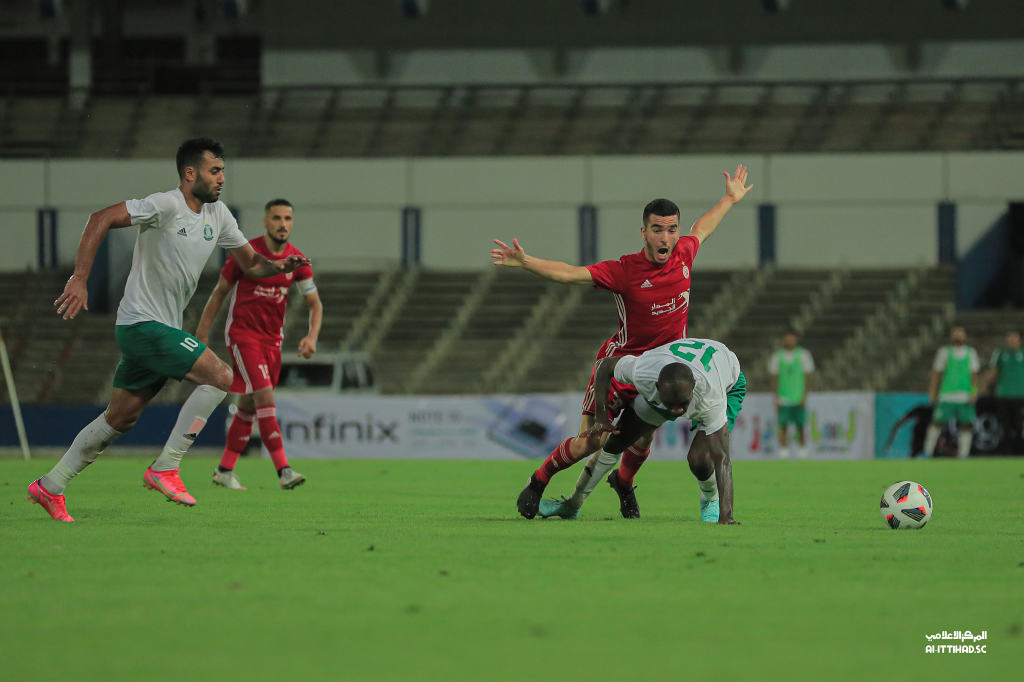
{"points": [[74, 299], [735, 185], [291, 263], [509, 256], [307, 347]]}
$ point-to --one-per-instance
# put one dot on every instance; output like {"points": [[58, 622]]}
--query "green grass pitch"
{"points": [[423, 570]]}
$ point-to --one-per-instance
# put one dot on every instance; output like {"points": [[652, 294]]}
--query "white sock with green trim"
{"points": [[598, 465], [709, 488], [963, 444], [191, 420], [87, 446], [931, 438]]}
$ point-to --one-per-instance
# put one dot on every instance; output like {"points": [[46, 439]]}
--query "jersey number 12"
{"points": [[705, 358]]}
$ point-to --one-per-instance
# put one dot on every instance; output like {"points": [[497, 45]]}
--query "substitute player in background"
{"points": [[253, 335], [698, 379], [178, 230], [652, 293], [953, 391], [792, 371]]}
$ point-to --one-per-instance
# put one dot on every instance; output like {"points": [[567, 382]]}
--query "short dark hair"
{"points": [[277, 202], [676, 373], [661, 207], [190, 153]]}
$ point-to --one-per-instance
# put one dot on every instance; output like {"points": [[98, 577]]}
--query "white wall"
{"points": [[833, 209]]}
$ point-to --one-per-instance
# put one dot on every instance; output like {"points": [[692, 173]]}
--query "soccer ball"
{"points": [[906, 505]]}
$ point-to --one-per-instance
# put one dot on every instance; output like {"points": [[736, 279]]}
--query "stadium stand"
{"points": [[505, 331], [479, 119]]}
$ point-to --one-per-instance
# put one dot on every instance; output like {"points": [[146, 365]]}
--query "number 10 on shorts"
{"points": [[189, 344]]}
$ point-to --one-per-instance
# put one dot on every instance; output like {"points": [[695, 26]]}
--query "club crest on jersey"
{"points": [[686, 270], [207, 232]]}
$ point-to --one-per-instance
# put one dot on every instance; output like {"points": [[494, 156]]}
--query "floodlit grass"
{"points": [[422, 570]]}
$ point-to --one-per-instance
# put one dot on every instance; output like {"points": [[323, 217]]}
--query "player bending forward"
{"points": [[698, 379], [652, 296], [178, 230], [253, 334]]}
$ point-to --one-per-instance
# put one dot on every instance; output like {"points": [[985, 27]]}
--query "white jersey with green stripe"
{"points": [[715, 370], [171, 251]]}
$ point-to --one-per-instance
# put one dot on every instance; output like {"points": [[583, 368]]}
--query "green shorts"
{"points": [[964, 413], [792, 414], [151, 353], [733, 402]]}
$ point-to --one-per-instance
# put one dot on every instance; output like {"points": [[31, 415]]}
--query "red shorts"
{"points": [[256, 367], [619, 394]]}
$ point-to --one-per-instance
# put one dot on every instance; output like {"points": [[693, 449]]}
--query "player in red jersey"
{"points": [[253, 335], [652, 293]]}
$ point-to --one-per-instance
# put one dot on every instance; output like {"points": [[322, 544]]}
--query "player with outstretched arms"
{"points": [[651, 289], [178, 230], [253, 334]]}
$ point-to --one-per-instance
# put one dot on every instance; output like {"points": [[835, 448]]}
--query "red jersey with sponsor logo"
{"points": [[653, 300], [256, 311]]}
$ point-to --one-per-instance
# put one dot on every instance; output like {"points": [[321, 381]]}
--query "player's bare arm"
{"points": [[735, 189], [307, 345], [933, 388], [75, 297], [602, 384], [212, 307], [257, 265], [557, 271], [718, 448]]}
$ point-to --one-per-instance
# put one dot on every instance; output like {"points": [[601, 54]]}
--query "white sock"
{"points": [[87, 446], [783, 451], [709, 488], [963, 444], [191, 420], [801, 452], [931, 438], [598, 465]]}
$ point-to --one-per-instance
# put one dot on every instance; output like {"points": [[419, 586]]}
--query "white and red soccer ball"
{"points": [[906, 505]]}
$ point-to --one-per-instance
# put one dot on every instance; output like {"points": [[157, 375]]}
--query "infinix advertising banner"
{"points": [[838, 426]]}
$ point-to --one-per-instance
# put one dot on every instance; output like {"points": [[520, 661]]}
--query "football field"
{"points": [[423, 570]]}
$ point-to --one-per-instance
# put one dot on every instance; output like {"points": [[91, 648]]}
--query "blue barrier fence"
{"points": [[57, 425]]}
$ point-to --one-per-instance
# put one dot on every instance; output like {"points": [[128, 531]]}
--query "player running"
{"points": [[253, 335], [652, 292], [698, 379], [178, 230]]}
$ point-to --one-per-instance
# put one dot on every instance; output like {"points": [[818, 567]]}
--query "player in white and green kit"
{"points": [[697, 379], [178, 231], [953, 391], [792, 369]]}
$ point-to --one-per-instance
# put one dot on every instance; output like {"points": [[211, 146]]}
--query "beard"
{"points": [[278, 240], [204, 192]]}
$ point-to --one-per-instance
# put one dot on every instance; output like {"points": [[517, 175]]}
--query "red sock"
{"points": [[560, 458], [238, 437], [632, 459], [270, 432]]}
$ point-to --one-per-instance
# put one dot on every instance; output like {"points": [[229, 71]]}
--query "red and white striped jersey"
{"points": [[652, 300]]}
